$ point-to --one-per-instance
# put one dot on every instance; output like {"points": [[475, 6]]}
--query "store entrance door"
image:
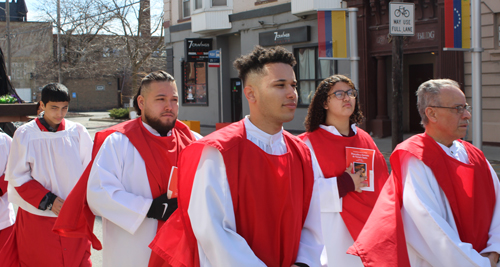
{"points": [[236, 101], [417, 75]]}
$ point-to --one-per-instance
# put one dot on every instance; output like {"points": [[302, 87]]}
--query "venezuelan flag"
{"points": [[457, 23], [332, 34]]}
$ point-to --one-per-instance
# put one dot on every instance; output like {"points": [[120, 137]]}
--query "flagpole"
{"points": [[353, 43], [477, 116], [221, 91]]}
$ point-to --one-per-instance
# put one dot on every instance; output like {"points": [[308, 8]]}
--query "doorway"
{"points": [[236, 102], [418, 74]]}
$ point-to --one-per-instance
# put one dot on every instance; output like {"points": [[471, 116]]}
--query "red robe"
{"points": [[270, 202], [331, 154], [4, 233], [159, 155], [468, 188], [34, 233]]}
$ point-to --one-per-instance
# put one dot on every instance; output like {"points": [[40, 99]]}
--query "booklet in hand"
{"points": [[362, 159], [172, 184]]}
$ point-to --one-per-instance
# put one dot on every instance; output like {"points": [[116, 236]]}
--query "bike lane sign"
{"points": [[402, 19]]}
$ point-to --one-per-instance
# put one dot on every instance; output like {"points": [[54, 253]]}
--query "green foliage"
{"points": [[119, 113]]}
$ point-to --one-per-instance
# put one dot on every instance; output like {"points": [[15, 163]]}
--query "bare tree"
{"points": [[140, 44], [107, 38], [82, 22]]}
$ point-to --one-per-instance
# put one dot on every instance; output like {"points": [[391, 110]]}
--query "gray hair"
{"points": [[428, 95]]}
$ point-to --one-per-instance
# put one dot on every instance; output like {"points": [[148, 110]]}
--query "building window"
{"points": [[186, 9], [310, 72], [194, 87], [198, 4], [260, 2], [219, 2]]}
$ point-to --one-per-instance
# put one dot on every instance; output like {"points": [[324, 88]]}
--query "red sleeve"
{"points": [[3, 185], [32, 192]]}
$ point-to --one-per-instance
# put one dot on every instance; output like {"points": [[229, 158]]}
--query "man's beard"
{"points": [[158, 125]]}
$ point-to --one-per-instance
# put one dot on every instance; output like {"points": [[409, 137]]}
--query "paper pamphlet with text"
{"points": [[362, 159]]}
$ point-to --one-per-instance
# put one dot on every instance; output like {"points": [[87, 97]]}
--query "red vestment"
{"points": [[270, 194], [331, 154], [33, 233], [468, 188], [159, 155], [4, 233]]}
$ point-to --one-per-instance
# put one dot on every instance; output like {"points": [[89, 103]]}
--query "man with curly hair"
{"points": [[246, 191]]}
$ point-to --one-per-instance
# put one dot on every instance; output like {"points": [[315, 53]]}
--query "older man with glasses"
{"points": [[439, 208]]}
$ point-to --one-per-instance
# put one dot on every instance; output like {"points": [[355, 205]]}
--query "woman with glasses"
{"points": [[346, 199]]}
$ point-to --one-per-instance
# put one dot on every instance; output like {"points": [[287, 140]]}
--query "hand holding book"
{"points": [[358, 179]]}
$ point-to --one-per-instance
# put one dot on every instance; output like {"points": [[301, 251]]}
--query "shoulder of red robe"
{"points": [[227, 137], [76, 219]]}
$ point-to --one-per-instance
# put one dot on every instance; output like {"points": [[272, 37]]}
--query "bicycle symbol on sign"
{"points": [[402, 10]]}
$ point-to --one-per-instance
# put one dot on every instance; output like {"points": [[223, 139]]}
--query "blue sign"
{"points": [[214, 54], [74, 95], [214, 58]]}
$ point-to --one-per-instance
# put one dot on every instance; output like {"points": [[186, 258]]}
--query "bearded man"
{"points": [[128, 180]]}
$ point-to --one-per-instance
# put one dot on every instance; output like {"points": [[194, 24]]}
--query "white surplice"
{"points": [[118, 190], [430, 229], [219, 244], [55, 159], [7, 215], [335, 233]]}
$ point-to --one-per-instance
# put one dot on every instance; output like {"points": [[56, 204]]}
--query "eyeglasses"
{"points": [[459, 109], [341, 94]]}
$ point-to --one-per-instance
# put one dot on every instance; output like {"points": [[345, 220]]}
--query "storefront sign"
{"points": [[285, 36], [197, 49]]}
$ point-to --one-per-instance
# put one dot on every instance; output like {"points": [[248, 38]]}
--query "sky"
{"points": [[35, 15], [32, 13]]}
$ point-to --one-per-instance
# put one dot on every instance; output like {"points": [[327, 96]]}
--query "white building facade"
{"points": [[212, 95]]}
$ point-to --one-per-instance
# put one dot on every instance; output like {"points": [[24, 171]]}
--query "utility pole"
{"points": [[59, 41], [9, 53], [397, 89], [402, 23]]}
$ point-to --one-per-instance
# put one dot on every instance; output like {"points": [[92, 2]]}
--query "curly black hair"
{"points": [[259, 57], [316, 114]]}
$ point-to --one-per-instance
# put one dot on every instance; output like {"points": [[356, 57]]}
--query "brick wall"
{"points": [[89, 98]]}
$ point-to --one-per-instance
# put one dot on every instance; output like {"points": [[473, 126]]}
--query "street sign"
{"points": [[402, 19], [214, 58], [73, 95]]}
